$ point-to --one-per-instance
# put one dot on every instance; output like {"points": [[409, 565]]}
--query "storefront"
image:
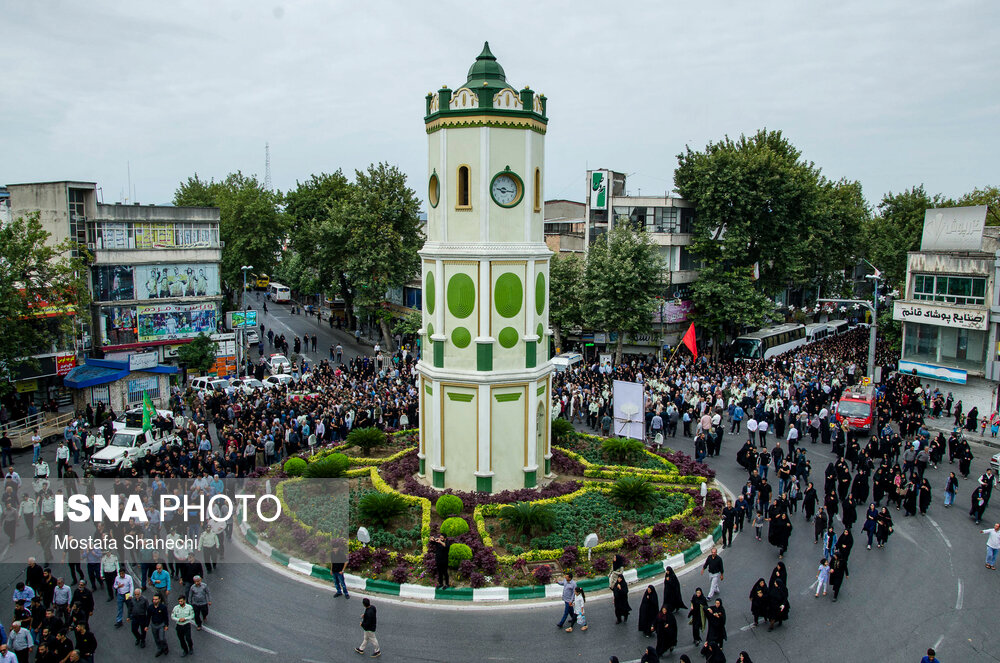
{"points": [[117, 385]]}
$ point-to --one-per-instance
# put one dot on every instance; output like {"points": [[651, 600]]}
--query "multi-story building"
{"points": [[154, 269], [951, 310]]}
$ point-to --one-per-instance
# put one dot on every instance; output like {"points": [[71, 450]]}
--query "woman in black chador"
{"points": [[777, 598], [620, 592], [672, 600], [666, 631], [648, 608], [716, 616], [758, 601], [696, 613]]}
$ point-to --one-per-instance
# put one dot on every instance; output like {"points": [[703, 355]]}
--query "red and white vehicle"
{"points": [[857, 408]]}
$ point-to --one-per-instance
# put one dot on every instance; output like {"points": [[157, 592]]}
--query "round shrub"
{"points": [[331, 467], [458, 553], [294, 467], [401, 574], [543, 574], [466, 568], [453, 527], [449, 505], [602, 565], [477, 580]]}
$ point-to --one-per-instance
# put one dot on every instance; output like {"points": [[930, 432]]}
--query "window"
{"points": [[688, 260], [950, 289], [139, 386], [538, 189], [100, 394], [464, 201], [411, 297], [687, 220]]}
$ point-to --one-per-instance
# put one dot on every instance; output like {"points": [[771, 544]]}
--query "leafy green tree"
{"points": [[379, 221], [250, 223], [409, 324], [622, 277], [726, 300], [566, 294], [897, 229], [321, 243], [989, 196], [33, 274], [198, 355]]}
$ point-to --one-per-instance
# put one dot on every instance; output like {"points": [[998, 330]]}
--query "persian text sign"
{"points": [[942, 315]]}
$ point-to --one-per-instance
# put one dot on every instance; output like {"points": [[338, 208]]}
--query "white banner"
{"points": [[629, 410], [942, 315], [599, 190]]}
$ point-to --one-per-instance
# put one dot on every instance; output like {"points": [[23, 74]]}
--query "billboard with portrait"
{"points": [[178, 280], [113, 283], [118, 325], [168, 322]]}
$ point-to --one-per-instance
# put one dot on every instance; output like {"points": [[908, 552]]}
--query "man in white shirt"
{"points": [[36, 447], [123, 591], [992, 546]]}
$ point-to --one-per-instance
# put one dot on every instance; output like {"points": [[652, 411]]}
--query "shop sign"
{"points": [[65, 364], [942, 315]]}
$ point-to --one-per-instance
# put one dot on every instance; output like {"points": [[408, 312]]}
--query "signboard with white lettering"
{"points": [[953, 229], [943, 373], [942, 315], [143, 360]]}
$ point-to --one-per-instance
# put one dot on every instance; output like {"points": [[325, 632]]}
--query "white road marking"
{"points": [[747, 627], [939, 531], [311, 660], [938, 643], [959, 600], [231, 639]]}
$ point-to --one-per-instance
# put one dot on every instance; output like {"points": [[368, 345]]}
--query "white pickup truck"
{"points": [[128, 445]]}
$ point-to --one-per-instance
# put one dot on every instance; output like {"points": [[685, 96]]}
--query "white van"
{"points": [[566, 360]]}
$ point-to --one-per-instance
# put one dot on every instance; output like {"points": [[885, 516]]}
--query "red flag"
{"points": [[690, 342]]}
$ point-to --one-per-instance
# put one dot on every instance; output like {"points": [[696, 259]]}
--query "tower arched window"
{"points": [[538, 189], [464, 200]]}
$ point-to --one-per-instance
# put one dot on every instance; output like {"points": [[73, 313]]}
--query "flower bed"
{"points": [[674, 522]]}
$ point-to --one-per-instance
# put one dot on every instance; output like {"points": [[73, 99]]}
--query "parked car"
{"points": [[279, 364], [275, 381], [209, 383], [252, 337], [246, 385], [127, 445]]}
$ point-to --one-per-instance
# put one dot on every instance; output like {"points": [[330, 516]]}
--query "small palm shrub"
{"points": [[621, 449], [634, 493], [381, 508], [562, 430], [526, 518], [330, 467], [366, 438]]}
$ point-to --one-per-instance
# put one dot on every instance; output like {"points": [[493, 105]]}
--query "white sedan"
{"points": [[246, 385], [995, 463], [275, 381], [278, 364]]}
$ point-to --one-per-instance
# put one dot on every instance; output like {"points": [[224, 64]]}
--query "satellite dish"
{"points": [[363, 536]]}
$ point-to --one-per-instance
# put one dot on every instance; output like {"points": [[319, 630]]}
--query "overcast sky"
{"points": [[888, 93]]}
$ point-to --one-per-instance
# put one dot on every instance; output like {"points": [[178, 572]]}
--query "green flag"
{"points": [[147, 412]]}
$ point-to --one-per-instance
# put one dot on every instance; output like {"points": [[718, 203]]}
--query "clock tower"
{"points": [[485, 372]]}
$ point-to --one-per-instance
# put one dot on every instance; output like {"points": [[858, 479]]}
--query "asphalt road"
{"points": [[928, 587]]}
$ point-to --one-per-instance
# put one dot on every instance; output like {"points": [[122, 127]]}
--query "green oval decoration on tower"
{"points": [[540, 294], [508, 295], [429, 290], [461, 295], [461, 337], [508, 337], [540, 330]]}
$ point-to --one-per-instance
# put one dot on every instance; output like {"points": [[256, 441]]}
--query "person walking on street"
{"points": [[183, 614], [992, 546], [86, 643], [138, 617], [931, 657], [338, 562], [368, 625], [159, 622], [716, 572], [200, 598], [123, 587], [109, 567], [568, 596], [20, 642]]}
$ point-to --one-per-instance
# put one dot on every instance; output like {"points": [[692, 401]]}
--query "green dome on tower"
{"points": [[486, 71]]}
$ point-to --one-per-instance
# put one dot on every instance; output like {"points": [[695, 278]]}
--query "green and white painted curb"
{"points": [[408, 590]]}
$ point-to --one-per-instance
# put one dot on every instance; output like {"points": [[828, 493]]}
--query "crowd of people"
{"points": [[776, 409]]}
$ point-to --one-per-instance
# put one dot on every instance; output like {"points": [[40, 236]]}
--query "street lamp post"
{"points": [[243, 328]]}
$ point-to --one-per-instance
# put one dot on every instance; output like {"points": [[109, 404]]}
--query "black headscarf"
{"points": [[672, 591], [650, 656], [648, 608]]}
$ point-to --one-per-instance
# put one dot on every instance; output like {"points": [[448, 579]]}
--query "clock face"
{"points": [[506, 190]]}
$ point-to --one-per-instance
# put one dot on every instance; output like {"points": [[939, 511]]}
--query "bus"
{"points": [[817, 331], [263, 281], [279, 293], [769, 342], [838, 326]]}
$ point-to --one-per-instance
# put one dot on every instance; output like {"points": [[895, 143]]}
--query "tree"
{"points": [[379, 221], [408, 325], [33, 275], [622, 277], [250, 223], [897, 229], [727, 299], [989, 196], [566, 293], [197, 355], [320, 243]]}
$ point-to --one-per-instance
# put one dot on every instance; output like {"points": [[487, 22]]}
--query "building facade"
{"points": [[951, 309], [485, 370]]}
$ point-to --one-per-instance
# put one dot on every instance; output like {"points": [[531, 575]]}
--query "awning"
{"points": [[90, 376], [102, 371]]}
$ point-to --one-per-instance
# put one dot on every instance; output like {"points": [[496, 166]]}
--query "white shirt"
{"points": [[993, 541]]}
